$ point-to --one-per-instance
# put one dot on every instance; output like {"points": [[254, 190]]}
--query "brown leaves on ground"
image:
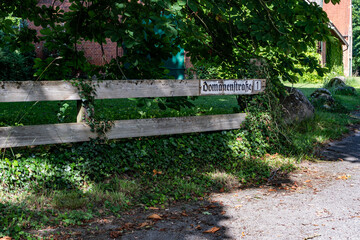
{"points": [[115, 234], [154, 217], [212, 230], [144, 224], [154, 208], [343, 177]]}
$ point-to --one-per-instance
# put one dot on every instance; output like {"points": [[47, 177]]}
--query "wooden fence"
{"points": [[29, 91]]}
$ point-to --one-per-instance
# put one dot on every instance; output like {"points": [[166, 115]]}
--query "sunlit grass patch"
{"points": [[116, 191], [69, 200], [227, 180], [281, 162], [353, 81]]}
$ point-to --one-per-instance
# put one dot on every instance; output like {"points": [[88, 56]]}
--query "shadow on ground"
{"points": [[348, 149]]}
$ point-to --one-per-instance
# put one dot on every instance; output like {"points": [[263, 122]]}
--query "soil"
{"points": [[321, 200]]}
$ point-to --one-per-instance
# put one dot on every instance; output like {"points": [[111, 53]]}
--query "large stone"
{"points": [[322, 98], [296, 106], [338, 86], [345, 90], [336, 82]]}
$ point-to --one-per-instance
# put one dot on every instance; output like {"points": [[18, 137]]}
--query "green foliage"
{"points": [[14, 220], [356, 35], [156, 170], [15, 66], [63, 112], [334, 54], [229, 35], [74, 167]]}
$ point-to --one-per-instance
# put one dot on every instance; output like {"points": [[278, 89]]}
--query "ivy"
{"points": [[334, 54], [356, 34]]}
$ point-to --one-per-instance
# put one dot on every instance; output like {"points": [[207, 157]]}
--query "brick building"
{"points": [[91, 50], [340, 16]]}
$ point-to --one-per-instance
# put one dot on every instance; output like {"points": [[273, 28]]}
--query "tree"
{"points": [[356, 35], [230, 34]]}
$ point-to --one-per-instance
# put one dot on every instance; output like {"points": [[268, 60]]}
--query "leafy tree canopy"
{"points": [[230, 34]]}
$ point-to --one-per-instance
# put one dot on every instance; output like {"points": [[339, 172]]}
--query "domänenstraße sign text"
{"points": [[229, 87]]}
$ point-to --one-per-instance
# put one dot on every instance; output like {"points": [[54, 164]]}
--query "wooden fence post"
{"points": [[81, 116]]}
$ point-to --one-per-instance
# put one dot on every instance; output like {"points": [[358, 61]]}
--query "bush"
{"points": [[16, 66], [78, 165]]}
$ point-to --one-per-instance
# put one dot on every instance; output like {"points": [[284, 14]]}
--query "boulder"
{"points": [[338, 86], [296, 106], [345, 90], [322, 98], [336, 82]]}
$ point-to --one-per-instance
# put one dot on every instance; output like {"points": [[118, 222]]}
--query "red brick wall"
{"points": [[91, 50], [340, 15]]}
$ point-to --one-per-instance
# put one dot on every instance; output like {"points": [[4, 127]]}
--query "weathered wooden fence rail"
{"points": [[112, 89]]}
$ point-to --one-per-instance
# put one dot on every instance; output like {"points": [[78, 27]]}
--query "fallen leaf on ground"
{"points": [[272, 190], [115, 234], [144, 224], [198, 227], [128, 225], [153, 208], [343, 177], [211, 206], [223, 213], [156, 172], [184, 214], [154, 217], [308, 181], [243, 234], [212, 230], [104, 220]]}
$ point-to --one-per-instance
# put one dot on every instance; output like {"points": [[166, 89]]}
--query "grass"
{"points": [[71, 184], [306, 88], [326, 126], [34, 113]]}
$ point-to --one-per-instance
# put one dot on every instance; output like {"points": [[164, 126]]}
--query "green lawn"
{"points": [[34, 113]]}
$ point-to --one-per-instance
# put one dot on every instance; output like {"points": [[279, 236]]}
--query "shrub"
{"points": [[15, 66]]}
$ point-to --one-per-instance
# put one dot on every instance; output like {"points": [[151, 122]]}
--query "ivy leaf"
{"points": [[192, 6]]}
